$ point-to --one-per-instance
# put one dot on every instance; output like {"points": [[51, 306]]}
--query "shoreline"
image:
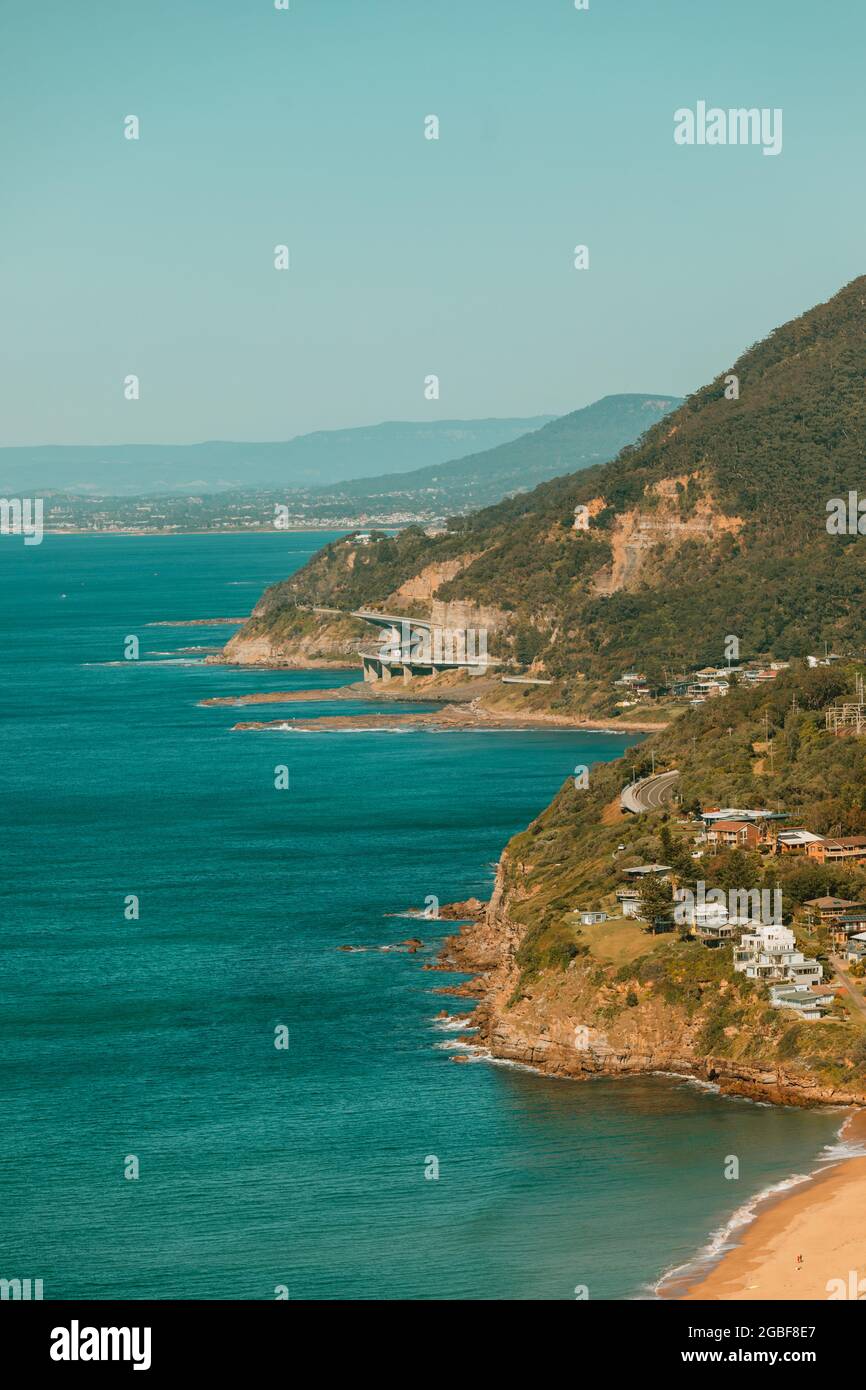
{"points": [[803, 1238], [448, 719], [456, 713], [798, 1241], [208, 530]]}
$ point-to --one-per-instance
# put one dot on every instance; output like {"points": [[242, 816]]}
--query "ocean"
{"points": [[154, 1142]]}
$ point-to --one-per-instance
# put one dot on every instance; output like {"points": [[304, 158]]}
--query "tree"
{"points": [[673, 852], [656, 899]]}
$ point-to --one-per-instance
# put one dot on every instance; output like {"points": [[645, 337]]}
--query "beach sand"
{"points": [[802, 1241]]}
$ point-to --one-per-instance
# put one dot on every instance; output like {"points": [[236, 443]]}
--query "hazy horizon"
{"points": [[408, 257]]}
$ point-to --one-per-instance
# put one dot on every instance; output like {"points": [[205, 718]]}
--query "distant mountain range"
{"points": [[575, 441], [308, 461]]}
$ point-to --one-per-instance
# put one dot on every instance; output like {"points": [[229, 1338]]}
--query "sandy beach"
{"points": [[807, 1244]]}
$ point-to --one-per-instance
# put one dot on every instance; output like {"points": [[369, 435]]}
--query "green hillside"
{"points": [[712, 524]]}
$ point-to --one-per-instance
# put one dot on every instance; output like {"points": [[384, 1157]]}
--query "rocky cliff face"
{"points": [[571, 1023], [300, 641]]}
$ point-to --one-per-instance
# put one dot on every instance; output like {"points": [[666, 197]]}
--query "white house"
{"points": [[770, 954], [807, 1002], [629, 901]]}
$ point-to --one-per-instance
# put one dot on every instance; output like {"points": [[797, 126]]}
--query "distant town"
{"points": [[227, 511]]}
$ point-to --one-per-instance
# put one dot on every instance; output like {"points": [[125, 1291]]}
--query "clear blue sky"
{"points": [[408, 256]]}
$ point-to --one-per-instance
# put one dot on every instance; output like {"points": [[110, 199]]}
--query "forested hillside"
{"points": [[713, 524]]}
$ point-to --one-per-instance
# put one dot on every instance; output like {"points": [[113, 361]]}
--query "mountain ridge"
{"points": [[712, 524], [318, 457]]}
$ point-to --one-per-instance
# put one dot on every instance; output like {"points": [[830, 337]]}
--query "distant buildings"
{"points": [[855, 949], [708, 683]]}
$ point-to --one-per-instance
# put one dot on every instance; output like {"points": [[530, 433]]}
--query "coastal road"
{"points": [[650, 794], [852, 986]]}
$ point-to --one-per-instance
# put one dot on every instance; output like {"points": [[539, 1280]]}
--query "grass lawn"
{"points": [[618, 940]]}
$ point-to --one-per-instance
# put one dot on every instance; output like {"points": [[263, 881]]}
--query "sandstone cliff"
{"points": [[586, 1021]]}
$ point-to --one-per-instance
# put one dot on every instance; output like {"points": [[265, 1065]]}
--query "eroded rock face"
{"points": [[325, 644], [554, 1024]]}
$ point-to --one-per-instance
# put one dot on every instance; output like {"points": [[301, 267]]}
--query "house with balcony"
{"points": [[849, 850], [770, 954], [733, 834], [823, 912], [849, 923]]}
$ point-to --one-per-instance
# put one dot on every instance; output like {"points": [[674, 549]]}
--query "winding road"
{"points": [[650, 794]]}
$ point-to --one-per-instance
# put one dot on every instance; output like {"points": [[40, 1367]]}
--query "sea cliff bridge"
{"points": [[417, 647]]}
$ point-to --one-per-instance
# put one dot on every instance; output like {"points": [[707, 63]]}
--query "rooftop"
{"points": [[648, 869], [829, 904]]}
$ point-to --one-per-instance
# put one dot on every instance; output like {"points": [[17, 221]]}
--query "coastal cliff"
{"points": [[292, 637], [585, 1021]]}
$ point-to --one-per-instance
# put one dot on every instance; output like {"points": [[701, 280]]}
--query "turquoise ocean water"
{"points": [[262, 1167]]}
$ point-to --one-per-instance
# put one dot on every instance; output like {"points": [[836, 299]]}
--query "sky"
{"points": [[408, 257]]}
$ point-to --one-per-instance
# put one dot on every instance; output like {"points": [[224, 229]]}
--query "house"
{"points": [[855, 950], [699, 691], [771, 954], [714, 928], [590, 919], [760, 815], [807, 1001], [767, 673], [629, 901], [739, 834], [851, 849], [846, 925], [796, 841], [821, 912]]}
